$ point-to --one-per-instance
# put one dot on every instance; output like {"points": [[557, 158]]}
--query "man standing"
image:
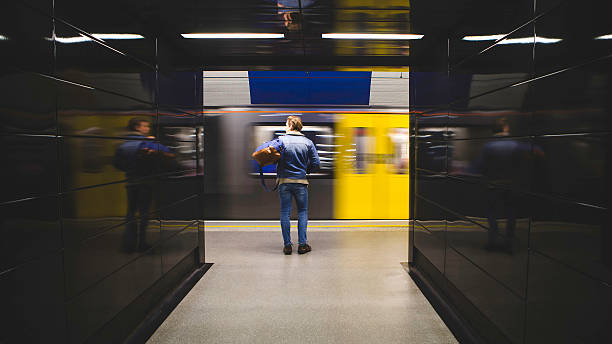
{"points": [[299, 158]]}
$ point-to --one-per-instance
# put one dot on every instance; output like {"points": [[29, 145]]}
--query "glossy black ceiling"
{"points": [[302, 22]]}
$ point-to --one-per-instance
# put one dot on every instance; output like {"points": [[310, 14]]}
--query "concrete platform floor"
{"points": [[350, 289]]}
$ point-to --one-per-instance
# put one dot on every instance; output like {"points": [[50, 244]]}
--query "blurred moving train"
{"points": [[363, 173], [364, 163]]}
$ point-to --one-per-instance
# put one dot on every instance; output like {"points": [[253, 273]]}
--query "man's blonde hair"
{"points": [[295, 123]]}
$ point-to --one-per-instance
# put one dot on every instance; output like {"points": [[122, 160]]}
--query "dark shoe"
{"points": [[304, 249], [288, 249]]}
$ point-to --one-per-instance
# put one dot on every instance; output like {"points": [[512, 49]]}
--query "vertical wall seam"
{"points": [[532, 174], [59, 142]]}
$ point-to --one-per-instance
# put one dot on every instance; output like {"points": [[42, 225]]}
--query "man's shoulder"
{"points": [[309, 141]]}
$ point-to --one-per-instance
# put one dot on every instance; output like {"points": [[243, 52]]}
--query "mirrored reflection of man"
{"points": [[290, 12], [138, 159], [504, 167]]}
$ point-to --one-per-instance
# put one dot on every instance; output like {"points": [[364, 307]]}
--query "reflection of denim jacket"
{"points": [[129, 156], [299, 157]]}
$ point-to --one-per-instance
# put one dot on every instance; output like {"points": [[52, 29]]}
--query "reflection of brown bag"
{"points": [[266, 156]]}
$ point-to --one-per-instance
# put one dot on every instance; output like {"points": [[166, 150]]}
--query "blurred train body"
{"points": [[363, 146], [364, 164]]}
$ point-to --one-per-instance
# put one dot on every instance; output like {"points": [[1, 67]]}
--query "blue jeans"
{"points": [[300, 193]]}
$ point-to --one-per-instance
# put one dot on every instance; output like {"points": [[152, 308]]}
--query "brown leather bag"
{"points": [[266, 156]]}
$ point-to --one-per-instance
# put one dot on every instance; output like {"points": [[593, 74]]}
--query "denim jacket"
{"points": [[299, 157]]}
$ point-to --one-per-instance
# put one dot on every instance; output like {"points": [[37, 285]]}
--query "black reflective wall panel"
{"points": [[512, 166], [100, 182]]}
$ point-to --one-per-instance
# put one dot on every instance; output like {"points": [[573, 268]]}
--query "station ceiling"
{"points": [[302, 24], [301, 21]]}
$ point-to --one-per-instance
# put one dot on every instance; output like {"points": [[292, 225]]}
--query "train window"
{"points": [[400, 138], [327, 150], [182, 142], [200, 149]]}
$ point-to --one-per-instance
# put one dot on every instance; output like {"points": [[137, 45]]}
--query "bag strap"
{"points": [[278, 165], [263, 181], [261, 176]]}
